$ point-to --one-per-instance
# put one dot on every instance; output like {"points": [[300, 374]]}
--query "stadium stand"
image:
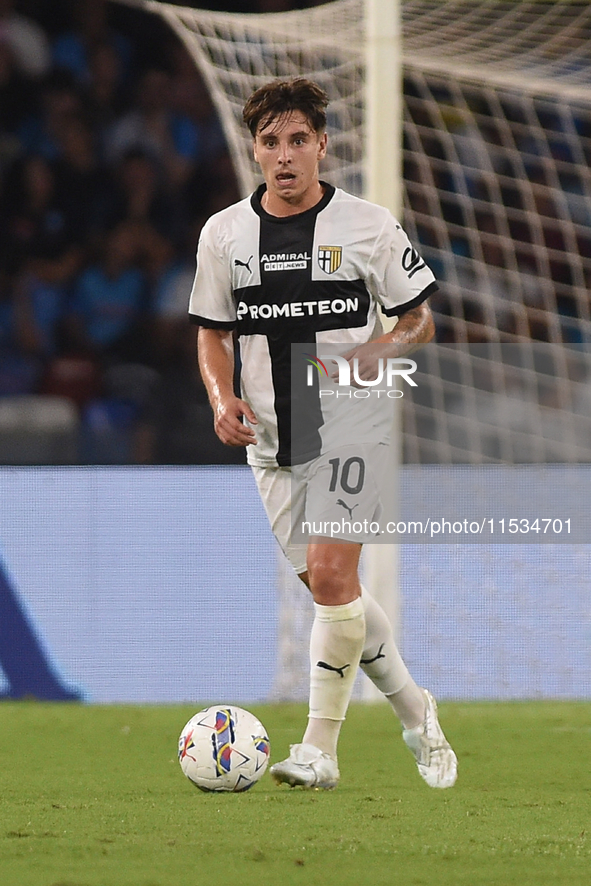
{"points": [[111, 157]]}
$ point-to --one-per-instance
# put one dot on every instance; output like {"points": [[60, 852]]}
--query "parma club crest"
{"points": [[330, 258]]}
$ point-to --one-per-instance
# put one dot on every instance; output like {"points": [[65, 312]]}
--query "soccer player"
{"points": [[303, 261]]}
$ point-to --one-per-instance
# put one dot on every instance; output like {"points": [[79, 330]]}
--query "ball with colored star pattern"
{"points": [[224, 748]]}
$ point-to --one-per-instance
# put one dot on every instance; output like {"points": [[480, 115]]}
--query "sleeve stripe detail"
{"points": [[211, 324], [413, 303]]}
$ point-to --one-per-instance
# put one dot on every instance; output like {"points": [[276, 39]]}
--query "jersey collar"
{"points": [[255, 202]]}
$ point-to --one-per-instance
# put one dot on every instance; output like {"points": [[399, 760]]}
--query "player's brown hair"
{"points": [[280, 97]]}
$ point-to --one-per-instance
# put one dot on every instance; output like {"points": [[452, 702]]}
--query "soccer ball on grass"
{"points": [[224, 748]]}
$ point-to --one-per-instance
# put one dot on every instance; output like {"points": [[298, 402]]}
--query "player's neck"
{"points": [[282, 207]]}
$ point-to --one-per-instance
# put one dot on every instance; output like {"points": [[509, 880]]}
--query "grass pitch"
{"points": [[94, 796]]}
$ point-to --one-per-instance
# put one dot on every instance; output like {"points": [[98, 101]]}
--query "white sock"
{"points": [[383, 664], [336, 643], [324, 735], [380, 659], [409, 704]]}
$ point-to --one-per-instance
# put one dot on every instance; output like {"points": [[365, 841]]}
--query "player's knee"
{"points": [[330, 584]]}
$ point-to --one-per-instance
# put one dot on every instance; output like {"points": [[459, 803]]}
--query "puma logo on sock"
{"points": [[327, 667], [367, 661]]}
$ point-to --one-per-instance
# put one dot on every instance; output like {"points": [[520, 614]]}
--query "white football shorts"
{"points": [[345, 493]]}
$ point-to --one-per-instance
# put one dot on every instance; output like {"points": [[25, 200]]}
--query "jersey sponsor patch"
{"points": [[330, 258], [285, 261], [298, 308]]}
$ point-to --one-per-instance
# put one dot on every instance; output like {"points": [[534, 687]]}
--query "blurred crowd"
{"points": [[111, 158]]}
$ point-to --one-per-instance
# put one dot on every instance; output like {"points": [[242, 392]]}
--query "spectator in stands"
{"points": [[109, 322], [16, 96], [35, 309], [185, 430], [27, 40], [41, 254], [73, 50], [190, 99], [40, 301], [108, 305], [106, 91], [59, 99], [140, 195], [222, 185], [171, 279], [18, 372], [34, 221], [172, 139], [213, 179], [85, 188]]}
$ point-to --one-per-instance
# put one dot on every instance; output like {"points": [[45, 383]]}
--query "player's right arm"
{"points": [[215, 348], [212, 309]]}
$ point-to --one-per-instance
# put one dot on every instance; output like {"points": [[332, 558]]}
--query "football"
{"points": [[224, 748]]}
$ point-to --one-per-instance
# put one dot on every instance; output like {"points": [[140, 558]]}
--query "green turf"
{"points": [[94, 796]]}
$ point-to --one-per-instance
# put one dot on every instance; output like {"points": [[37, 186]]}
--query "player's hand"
{"points": [[368, 356], [228, 424]]}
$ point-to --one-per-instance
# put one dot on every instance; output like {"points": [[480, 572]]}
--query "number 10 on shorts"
{"points": [[350, 476]]}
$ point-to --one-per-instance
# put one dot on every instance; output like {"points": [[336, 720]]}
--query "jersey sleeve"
{"points": [[211, 303], [398, 277]]}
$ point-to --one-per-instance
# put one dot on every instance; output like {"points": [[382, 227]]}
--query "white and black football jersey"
{"points": [[317, 277]]}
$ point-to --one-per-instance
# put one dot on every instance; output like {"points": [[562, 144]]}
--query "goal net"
{"points": [[497, 187], [497, 144], [236, 53]]}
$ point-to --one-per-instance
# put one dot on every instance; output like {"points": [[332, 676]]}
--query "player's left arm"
{"points": [[414, 328]]}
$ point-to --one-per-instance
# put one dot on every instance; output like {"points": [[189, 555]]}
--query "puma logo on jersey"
{"points": [[327, 667], [243, 264], [347, 508]]}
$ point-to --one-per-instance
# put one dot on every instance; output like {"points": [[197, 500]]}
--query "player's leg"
{"points": [[336, 644], [381, 659], [383, 664], [368, 492], [337, 638], [415, 707]]}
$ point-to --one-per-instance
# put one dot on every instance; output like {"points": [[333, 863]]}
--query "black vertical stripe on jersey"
{"points": [[295, 235], [278, 286]]}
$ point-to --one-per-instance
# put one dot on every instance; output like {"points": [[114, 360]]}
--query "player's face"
{"points": [[288, 151]]}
